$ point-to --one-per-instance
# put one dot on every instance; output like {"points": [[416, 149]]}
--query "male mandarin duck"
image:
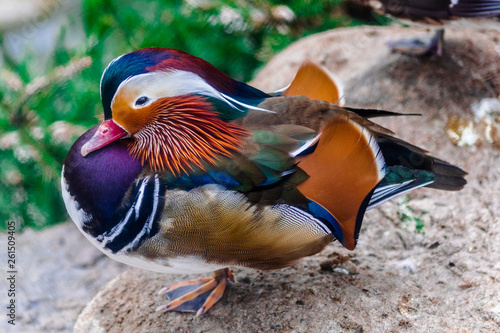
{"points": [[192, 171]]}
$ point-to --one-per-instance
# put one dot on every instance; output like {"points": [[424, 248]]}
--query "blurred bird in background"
{"points": [[482, 14], [437, 11], [192, 171]]}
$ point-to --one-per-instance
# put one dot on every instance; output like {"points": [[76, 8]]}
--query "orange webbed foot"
{"points": [[197, 295]]}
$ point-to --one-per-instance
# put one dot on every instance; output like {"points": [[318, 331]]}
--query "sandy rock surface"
{"points": [[426, 262], [58, 274]]}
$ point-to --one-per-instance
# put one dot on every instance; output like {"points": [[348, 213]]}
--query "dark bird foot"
{"points": [[197, 295]]}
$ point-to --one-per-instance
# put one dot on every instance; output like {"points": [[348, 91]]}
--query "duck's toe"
{"points": [[197, 295]]}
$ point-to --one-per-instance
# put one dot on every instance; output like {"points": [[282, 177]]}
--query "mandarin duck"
{"points": [[192, 171]]}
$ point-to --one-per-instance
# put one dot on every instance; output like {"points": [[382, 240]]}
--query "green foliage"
{"points": [[46, 104], [412, 219], [34, 140]]}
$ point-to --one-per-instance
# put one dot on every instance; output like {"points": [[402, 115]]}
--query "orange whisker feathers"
{"points": [[184, 134]]}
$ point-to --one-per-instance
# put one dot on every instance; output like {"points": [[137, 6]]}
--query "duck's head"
{"points": [[173, 106]]}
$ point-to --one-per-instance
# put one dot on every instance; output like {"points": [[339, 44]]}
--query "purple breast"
{"points": [[99, 181]]}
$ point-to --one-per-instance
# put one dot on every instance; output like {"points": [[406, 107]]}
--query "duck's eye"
{"points": [[141, 101]]}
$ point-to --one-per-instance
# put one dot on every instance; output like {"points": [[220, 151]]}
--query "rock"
{"points": [[442, 277], [59, 272]]}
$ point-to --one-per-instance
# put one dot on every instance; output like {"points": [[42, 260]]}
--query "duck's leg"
{"points": [[197, 295]]}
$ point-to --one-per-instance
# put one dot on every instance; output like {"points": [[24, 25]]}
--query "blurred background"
{"points": [[53, 52]]}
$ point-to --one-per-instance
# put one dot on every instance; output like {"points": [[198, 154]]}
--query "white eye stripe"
{"points": [[251, 107], [155, 85]]}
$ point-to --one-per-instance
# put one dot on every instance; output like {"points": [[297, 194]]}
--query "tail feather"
{"points": [[373, 113], [475, 8], [397, 152], [438, 10], [399, 180], [448, 183]]}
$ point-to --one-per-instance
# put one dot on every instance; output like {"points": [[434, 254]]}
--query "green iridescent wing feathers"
{"points": [[262, 169]]}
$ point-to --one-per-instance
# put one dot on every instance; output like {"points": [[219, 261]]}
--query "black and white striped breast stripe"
{"points": [[148, 225], [140, 220]]}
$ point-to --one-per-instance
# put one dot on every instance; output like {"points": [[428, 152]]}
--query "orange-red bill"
{"points": [[107, 132]]}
